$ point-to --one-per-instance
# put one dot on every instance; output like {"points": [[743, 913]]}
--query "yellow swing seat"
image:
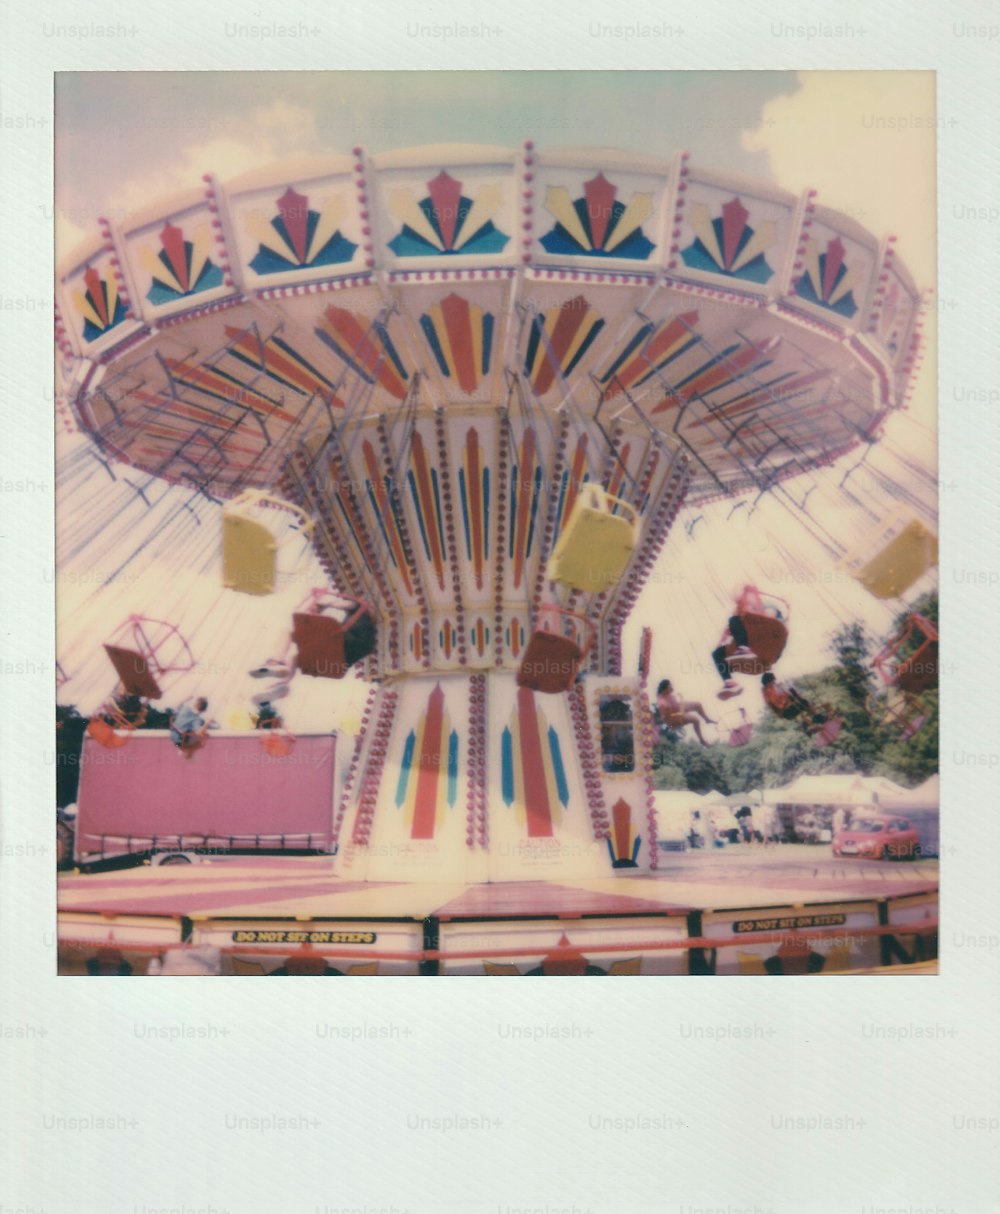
{"points": [[249, 545], [894, 557], [596, 543]]}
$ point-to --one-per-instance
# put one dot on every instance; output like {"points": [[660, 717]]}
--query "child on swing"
{"points": [[677, 712]]}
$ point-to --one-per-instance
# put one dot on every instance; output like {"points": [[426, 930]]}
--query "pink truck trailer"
{"points": [[145, 798]]}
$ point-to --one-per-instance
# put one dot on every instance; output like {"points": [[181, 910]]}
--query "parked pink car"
{"points": [[878, 837]]}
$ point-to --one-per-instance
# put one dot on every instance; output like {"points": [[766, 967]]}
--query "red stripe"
{"points": [[172, 240], [834, 260], [445, 193], [645, 360], [458, 323], [600, 196], [734, 218], [622, 815], [536, 789], [425, 797], [95, 289], [382, 499], [571, 316], [294, 210]]}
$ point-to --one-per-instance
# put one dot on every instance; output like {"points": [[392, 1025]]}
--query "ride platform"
{"points": [[710, 914]]}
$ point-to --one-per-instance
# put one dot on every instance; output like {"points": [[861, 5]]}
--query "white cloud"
{"points": [[267, 135], [866, 142]]}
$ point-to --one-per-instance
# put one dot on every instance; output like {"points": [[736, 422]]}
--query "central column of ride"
{"points": [[501, 555]]}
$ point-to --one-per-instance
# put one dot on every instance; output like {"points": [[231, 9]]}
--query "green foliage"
{"points": [[779, 751]]}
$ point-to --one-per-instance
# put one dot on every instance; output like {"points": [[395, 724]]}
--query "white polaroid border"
{"points": [[808, 1097]]}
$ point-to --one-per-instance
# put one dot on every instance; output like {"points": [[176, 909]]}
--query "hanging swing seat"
{"points": [[765, 618], [277, 742], [739, 727], [126, 715], [596, 542], [893, 557], [919, 672], [133, 670], [555, 652], [830, 732], [914, 726], [328, 647], [906, 713], [251, 525], [909, 661], [104, 733], [143, 651]]}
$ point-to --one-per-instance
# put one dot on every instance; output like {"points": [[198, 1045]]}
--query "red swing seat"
{"points": [[764, 619], [277, 742], [917, 671], [555, 652], [143, 650], [327, 647], [104, 734], [133, 672]]}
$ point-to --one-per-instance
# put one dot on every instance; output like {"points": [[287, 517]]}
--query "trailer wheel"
{"points": [[175, 858]]}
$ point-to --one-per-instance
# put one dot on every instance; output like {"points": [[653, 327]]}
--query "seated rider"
{"points": [[267, 717], [189, 727], [790, 705], [733, 644], [677, 712]]}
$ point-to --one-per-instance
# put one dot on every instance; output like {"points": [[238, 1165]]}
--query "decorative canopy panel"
{"points": [[432, 350]]}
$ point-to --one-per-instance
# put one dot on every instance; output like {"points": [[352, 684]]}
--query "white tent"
{"points": [[926, 796], [834, 789]]}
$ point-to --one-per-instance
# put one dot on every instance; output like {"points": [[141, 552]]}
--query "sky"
{"points": [[864, 141]]}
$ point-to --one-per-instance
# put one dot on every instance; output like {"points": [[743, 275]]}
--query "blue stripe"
{"points": [[465, 513], [487, 340], [557, 764], [452, 766], [432, 340], [507, 763], [420, 518], [404, 771]]}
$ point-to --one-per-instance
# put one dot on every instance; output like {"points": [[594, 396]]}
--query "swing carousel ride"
{"points": [[481, 383]]}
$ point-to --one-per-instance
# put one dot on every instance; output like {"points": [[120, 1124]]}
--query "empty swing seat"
{"points": [[829, 733], [596, 542], [919, 672], [104, 733], [555, 653], [133, 671], [905, 714], [740, 732], [144, 651], [277, 743], [895, 557], [327, 647], [249, 545]]}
